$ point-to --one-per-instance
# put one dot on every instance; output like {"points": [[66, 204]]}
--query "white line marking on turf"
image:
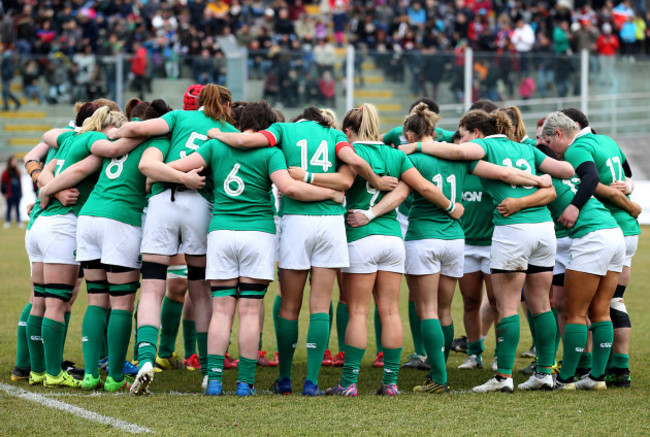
{"points": [[77, 411]]}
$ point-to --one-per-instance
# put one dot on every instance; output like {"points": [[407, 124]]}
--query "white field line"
{"points": [[72, 409]]}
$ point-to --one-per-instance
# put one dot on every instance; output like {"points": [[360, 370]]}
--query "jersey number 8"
{"points": [[114, 169]]}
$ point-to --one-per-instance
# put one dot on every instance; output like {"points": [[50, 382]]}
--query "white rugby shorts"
{"points": [[430, 256], [114, 243], [376, 252], [313, 241], [598, 252], [233, 254], [175, 227], [515, 247]]}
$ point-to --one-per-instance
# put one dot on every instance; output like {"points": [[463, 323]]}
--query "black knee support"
{"points": [[152, 270], [195, 273], [558, 280], [620, 291], [618, 313]]}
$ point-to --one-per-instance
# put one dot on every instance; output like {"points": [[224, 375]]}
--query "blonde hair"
{"points": [[330, 116], [101, 119], [421, 121], [364, 121], [519, 129]]}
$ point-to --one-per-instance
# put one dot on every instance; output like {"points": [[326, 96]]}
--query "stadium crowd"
{"points": [[62, 44]]}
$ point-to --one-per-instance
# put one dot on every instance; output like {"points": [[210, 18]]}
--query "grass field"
{"points": [[176, 406]]}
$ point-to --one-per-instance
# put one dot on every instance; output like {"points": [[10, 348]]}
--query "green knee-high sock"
{"points": [[66, 318], [277, 304], [448, 332], [434, 344], [603, 337], [202, 343], [119, 335], [246, 370], [586, 361], [475, 348], [331, 320], [135, 332], [392, 359], [416, 330], [352, 364], [545, 329], [147, 341], [35, 344], [507, 342], [93, 328], [342, 317], [286, 336], [317, 336], [575, 339], [378, 331], [558, 334], [52, 333], [22, 348], [104, 346], [531, 326], [170, 319], [620, 361], [215, 367], [189, 337]]}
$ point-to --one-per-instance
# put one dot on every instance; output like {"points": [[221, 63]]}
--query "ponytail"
{"points": [[363, 121], [102, 118], [216, 101], [421, 121]]}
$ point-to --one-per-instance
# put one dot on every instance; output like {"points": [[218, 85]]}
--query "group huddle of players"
{"points": [[210, 198]]}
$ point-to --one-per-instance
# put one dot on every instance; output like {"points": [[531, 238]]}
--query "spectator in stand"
{"points": [[7, 72], [324, 56], [628, 38], [523, 40], [203, 68], [11, 190], [562, 38], [641, 29], [608, 46], [139, 68], [25, 31], [327, 88], [544, 63], [30, 75]]}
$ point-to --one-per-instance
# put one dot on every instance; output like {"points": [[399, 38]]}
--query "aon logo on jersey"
{"points": [[472, 196]]}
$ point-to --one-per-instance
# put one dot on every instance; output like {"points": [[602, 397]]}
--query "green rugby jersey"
{"points": [[609, 158], [384, 161], [241, 194], [426, 220], [477, 218], [314, 148], [188, 131], [396, 137], [72, 149], [593, 215], [36, 209], [530, 141], [501, 151], [120, 190]]}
